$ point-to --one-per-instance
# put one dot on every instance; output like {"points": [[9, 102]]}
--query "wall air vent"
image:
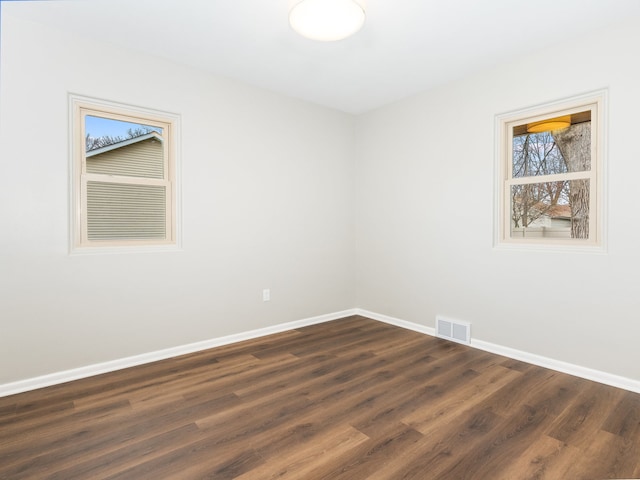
{"points": [[455, 330]]}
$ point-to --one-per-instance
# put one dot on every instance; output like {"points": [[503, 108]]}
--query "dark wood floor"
{"points": [[350, 399]]}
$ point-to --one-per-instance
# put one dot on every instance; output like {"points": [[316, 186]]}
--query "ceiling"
{"points": [[405, 47]]}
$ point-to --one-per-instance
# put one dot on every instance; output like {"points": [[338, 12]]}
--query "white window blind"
{"points": [[118, 211]]}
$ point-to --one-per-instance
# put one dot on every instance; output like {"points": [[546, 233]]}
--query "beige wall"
{"points": [[267, 195], [425, 204]]}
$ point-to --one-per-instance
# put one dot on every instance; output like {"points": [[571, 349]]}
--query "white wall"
{"points": [[425, 175], [267, 202]]}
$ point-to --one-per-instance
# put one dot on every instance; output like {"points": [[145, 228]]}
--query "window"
{"points": [[124, 175], [549, 163]]}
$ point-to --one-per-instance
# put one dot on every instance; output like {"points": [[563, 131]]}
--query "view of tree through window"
{"points": [[547, 194]]}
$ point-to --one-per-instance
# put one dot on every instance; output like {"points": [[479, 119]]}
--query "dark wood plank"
{"points": [[349, 399]]}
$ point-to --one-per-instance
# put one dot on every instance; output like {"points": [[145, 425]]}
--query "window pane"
{"points": [[118, 211], [536, 154], [550, 210], [552, 152], [114, 147]]}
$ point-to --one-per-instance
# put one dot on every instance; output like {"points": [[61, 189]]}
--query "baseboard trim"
{"points": [[396, 321], [560, 366], [110, 366], [557, 365], [113, 365]]}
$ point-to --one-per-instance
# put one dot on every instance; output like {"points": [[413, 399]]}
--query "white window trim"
{"points": [[502, 162], [79, 104]]}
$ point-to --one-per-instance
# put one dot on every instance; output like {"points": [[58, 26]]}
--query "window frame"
{"points": [[596, 102], [79, 108]]}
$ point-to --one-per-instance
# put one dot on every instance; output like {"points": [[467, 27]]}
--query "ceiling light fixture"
{"points": [[557, 123], [326, 20]]}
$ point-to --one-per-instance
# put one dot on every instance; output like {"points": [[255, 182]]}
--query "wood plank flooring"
{"points": [[349, 399]]}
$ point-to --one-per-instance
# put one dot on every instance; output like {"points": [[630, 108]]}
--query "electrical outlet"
{"points": [[266, 295]]}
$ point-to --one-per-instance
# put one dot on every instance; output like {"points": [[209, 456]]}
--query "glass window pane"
{"points": [[114, 147], [550, 210], [551, 152]]}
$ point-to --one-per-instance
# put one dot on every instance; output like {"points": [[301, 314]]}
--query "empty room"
{"points": [[319, 239]]}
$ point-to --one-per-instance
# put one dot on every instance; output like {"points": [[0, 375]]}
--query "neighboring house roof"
{"points": [[560, 211], [124, 143], [553, 211]]}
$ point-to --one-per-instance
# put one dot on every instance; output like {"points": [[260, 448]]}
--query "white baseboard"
{"points": [[105, 367], [397, 322], [560, 366], [557, 365]]}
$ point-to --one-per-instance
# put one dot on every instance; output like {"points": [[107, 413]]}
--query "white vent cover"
{"points": [[455, 330]]}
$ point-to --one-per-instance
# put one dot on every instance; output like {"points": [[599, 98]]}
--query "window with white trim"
{"points": [[124, 175], [550, 174]]}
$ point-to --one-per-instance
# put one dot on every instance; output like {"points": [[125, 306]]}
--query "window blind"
{"points": [[118, 211]]}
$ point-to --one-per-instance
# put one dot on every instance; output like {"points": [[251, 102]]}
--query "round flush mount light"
{"points": [[550, 124], [326, 20]]}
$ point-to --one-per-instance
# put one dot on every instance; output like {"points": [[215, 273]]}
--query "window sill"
{"points": [[550, 248], [82, 251]]}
